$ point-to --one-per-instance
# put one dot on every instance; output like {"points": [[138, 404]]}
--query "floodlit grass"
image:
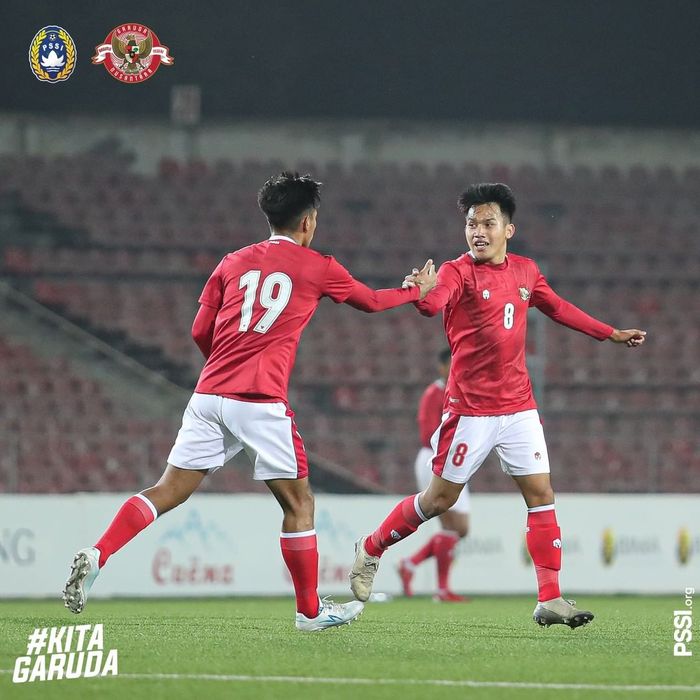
{"points": [[401, 647]]}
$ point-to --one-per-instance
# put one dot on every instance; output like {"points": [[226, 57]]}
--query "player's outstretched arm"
{"points": [[448, 282], [550, 303], [632, 337], [371, 300]]}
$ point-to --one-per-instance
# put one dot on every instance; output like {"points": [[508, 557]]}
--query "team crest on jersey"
{"points": [[52, 55], [486, 294], [524, 293], [131, 53]]}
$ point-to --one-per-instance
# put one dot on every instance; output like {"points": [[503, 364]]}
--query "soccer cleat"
{"points": [[330, 614], [560, 612], [83, 573], [450, 597], [406, 575], [364, 569]]}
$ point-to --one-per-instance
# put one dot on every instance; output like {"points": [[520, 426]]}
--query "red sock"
{"points": [[444, 553], [544, 545], [425, 552], [300, 554], [135, 514], [400, 523]]}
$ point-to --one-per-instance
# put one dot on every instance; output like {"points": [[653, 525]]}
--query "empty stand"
{"points": [[130, 253]]}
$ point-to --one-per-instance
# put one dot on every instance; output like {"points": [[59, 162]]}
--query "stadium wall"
{"points": [[228, 545], [400, 142]]}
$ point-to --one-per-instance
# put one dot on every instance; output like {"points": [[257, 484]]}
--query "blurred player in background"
{"points": [[484, 296], [252, 312], [455, 521]]}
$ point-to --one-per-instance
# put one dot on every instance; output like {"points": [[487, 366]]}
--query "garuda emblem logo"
{"points": [[132, 53]]}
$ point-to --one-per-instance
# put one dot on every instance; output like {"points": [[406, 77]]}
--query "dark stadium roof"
{"points": [[629, 62]]}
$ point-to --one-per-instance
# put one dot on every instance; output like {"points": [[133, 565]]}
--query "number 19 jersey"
{"points": [[265, 295]]}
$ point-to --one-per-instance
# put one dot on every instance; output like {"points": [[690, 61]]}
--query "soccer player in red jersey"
{"points": [[252, 312], [455, 520], [484, 296]]}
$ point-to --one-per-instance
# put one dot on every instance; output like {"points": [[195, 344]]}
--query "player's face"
{"points": [[488, 231]]}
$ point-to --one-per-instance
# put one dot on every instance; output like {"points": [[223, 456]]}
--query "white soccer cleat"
{"points": [[559, 611], [330, 614], [364, 569], [83, 573]]}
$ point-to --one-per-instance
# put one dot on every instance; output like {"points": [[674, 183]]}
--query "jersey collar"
{"points": [[277, 237], [499, 266]]}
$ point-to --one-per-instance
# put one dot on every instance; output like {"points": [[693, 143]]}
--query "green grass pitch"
{"points": [[403, 649]]}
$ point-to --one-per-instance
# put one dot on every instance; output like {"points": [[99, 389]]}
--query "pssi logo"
{"points": [[683, 626]]}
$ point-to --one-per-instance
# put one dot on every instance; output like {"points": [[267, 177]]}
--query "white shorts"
{"points": [[462, 443], [215, 429], [424, 474]]}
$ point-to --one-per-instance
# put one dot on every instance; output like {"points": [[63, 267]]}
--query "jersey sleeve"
{"points": [[342, 287], [370, 300], [338, 283], [213, 292], [449, 285], [203, 328], [545, 299]]}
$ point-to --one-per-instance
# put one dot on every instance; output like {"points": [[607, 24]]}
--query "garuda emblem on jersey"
{"points": [[524, 293], [132, 53], [52, 55]]}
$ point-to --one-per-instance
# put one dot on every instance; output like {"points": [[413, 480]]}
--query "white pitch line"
{"points": [[402, 681]]}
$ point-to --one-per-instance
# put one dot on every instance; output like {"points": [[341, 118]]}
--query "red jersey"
{"points": [[430, 410], [485, 318], [255, 306]]}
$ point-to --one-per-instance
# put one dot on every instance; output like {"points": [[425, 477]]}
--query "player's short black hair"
{"points": [[485, 193], [445, 355], [287, 197]]}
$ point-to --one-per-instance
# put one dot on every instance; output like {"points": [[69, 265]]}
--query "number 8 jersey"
{"points": [[485, 318], [263, 296]]}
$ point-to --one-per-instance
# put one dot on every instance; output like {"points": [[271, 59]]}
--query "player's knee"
{"points": [[462, 529], [300, 504], [307, 504], [540, 495], [170, 498], [434, 504], [179, 497]]}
